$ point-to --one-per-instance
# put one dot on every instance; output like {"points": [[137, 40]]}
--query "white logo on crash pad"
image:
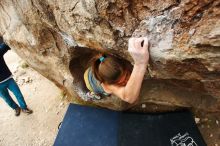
{"points": [[184, 140]]}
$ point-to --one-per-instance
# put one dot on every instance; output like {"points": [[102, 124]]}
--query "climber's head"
{"points": [[111, 69]]}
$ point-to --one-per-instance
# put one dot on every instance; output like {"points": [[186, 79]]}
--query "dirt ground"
{"points": [[209, 126], [41, 95]]}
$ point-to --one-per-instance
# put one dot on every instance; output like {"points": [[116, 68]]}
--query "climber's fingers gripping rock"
{"points": [[138, 48]]}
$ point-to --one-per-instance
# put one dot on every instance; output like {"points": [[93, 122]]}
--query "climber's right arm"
{"points": [[138, 48]]}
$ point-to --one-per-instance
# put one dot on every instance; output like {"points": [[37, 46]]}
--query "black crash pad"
{"points": [[89, 126]]}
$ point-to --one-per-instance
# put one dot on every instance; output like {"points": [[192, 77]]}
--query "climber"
{"points": [[109, 74], [8, 83]]}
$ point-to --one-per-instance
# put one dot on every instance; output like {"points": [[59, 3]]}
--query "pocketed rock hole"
{"points": [[81, 60], [78, 64]]}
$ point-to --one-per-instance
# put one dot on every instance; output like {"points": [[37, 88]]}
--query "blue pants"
{"points": [[13, 87]]}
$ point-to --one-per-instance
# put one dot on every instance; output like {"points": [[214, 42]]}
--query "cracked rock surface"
{"points": [[58, 37]]}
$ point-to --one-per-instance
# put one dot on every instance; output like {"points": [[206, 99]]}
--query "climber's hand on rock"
{"points": [[138, 48]]}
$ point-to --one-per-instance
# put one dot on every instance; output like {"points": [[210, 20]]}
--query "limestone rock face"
{"points": [[59, 37]]}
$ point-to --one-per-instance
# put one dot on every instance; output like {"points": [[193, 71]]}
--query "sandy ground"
{"points": [[40, 128], [43, 97]]}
